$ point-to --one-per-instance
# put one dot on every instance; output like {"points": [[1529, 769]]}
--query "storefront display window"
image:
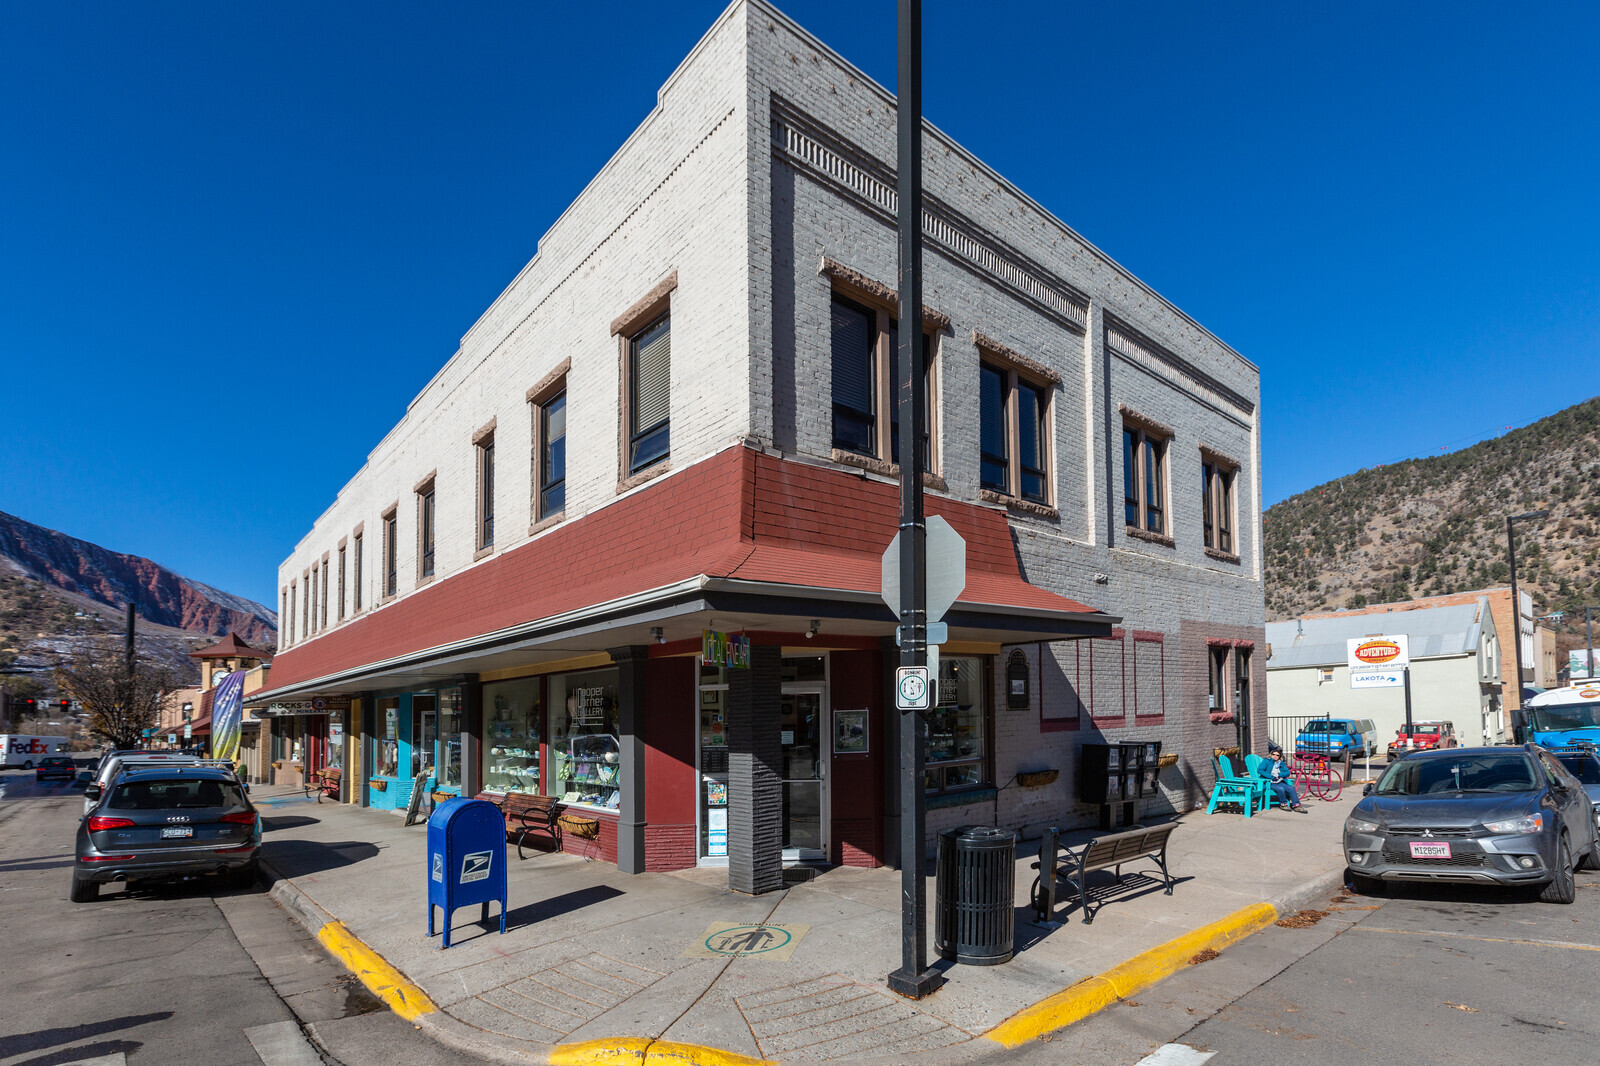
{"points": [[585, 754], [513, 727], [422, 713], [386, 752], [957, 730], [335, 746], [449, 763], [713, 698]]}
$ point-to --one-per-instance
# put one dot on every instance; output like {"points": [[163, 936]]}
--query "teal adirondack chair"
{"points": [[1251, 793]]}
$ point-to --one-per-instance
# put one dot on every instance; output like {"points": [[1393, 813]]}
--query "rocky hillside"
{"points": [[1436, 525], [114, 579]]}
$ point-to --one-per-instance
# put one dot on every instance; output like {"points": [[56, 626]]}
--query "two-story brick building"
{"points": [[676, 420]]}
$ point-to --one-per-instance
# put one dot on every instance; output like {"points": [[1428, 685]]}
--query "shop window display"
{"points": [[513, 728], [585, 754], [386, 752], [713, 762], [956, 728], [427, 732]]}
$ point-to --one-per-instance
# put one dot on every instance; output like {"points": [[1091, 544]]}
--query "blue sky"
{"points": [[211, 214]]}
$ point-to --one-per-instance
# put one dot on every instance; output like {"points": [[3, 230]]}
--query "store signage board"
{"points": [[724, 649], [1379, 652], [938, 633], [314, 705], [1576, 664], [1377, 678], [947, 569]]}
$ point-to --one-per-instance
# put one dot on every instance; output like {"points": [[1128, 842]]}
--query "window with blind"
{"points": [[1013, 434], [486, 493], [425, 539], [650, 395], [1144, 480], [341, 585], [553, 456], [995, 462], [855, 373], [391, 547], [360, 571], [1032, 437]]}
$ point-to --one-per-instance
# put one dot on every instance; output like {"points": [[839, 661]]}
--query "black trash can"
{"points": [[974, 914]]}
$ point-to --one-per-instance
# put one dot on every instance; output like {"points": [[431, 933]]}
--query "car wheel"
{"points": [[1591, 858], [1563, 887], [84, 890], [28, 765], [242, 876], [1366, 886]]}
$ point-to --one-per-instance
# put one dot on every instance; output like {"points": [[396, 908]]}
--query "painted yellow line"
{"points": [[1143, 970], [386, 982], [1486, 939], [639, 1051]]}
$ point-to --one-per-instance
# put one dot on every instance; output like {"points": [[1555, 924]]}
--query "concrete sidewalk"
{"points": [[591, 954]]}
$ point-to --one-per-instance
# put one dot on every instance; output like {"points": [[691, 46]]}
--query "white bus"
{"points": [[19, 750]]}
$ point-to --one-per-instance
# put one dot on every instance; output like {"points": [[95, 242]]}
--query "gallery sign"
{"points": [[724, 649]]}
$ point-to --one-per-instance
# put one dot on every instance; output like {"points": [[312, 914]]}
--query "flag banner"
{"points": [[227, 716]]}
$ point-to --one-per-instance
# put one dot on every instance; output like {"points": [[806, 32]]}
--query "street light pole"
{"points": [[913, 979], [1519, 730]]}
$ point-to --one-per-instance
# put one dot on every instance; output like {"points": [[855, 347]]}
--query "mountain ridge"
{"points": [[159, 595]]}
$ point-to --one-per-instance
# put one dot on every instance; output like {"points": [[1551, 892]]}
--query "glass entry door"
{"points": [[805, 774]]}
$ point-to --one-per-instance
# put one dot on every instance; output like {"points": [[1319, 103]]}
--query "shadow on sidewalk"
{"points": [[300, 857], [1103, 888], [288, 821]]}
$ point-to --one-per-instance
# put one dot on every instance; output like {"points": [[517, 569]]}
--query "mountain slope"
{"points": [[115, 578], [1434, 525]]}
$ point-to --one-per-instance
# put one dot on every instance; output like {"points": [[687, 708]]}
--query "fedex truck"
{"points": [[19, 750]]}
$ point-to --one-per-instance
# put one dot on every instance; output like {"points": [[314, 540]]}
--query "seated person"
{"points": [[1276, 771]]}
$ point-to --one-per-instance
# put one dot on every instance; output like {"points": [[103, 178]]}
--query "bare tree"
{"points": [[123, 702]]}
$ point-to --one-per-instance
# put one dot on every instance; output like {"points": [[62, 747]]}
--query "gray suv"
{"points": [[1507, 816], [165, 823]]}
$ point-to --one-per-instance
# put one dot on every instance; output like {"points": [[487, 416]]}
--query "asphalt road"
{"points": [[1423, 975], [177, 974]]}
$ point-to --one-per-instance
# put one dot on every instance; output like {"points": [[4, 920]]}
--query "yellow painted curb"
{"points": [[386, 982], [638, 1051], [1143, 970]]}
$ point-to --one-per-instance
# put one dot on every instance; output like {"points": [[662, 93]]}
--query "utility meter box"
{"points": [[466, 859]]}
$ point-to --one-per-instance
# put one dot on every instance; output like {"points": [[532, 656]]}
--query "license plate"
{"points": [[171, 831], [1420, 850]]}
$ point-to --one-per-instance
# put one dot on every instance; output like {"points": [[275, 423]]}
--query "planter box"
{"points": [[379, 786], [1037, 778]]}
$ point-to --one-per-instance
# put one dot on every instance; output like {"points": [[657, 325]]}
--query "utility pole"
{"points": [[913, 979], [1518, 720], [1588, 630]]}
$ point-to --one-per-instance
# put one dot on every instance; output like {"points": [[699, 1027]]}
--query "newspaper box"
{"points": [[466, 859]]}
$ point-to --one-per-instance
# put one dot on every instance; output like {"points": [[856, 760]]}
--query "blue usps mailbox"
{"points": [[466, 859]]}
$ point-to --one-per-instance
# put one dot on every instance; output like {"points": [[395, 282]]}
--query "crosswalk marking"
{"points": [[282, 1044], [114, 1059], [1175, 1055]]}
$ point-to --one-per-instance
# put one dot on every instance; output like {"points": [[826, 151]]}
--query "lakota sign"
{"points": [[1379, 652]]}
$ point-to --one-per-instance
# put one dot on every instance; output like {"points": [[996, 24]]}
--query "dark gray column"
{"points": [[632, 662], [755, 787], [471, 738], [369, 726], [890, 754]]}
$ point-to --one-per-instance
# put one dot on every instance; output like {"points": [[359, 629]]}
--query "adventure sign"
{"points": [[1379, 652]]}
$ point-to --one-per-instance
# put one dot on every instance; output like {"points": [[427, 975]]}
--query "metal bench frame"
{"points": [[1102, 853], [533, 814]]}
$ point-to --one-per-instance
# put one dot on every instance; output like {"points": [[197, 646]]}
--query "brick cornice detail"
{"points": [[1014, 360], [855, 283], [426, 480], [485, 431], [1154, 538], [1211, 455], [647, 307], [545, 387], [1145, 422], [1222, 556]]}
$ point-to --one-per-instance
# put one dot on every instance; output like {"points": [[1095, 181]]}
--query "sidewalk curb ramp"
{"points": [[1072, 1004]]}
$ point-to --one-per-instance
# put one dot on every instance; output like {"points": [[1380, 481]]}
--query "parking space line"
{"points": [[1175, 1055], [1486, 939]]}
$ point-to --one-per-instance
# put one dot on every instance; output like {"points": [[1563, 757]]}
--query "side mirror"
{"points": [[245, 785], [92, 792], [1366, 789]]}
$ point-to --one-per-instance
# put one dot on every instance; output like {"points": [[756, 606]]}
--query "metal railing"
{"points": [[1282, 731]]}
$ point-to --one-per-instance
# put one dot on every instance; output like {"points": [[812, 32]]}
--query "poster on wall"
{"points": [[849, 732]]}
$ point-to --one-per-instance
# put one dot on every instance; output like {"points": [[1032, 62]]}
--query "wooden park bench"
{"points": [[324, 782], [1102, 853], [526, 814]]}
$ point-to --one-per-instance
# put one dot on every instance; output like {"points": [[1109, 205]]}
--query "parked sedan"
{"points": [[1507, 816], [55, 767], [167, 823]]}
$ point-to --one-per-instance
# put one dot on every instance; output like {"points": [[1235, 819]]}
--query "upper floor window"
{"points": [[486, 492], [359, 570], [311, 601], [294, 608], [1144, 480], [341, 583], [866, 380], [1014, 434], [322, 602], [391, 551], [286, 618], [552, 474], [650, 395], [426, 509], [1217, 506]]}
